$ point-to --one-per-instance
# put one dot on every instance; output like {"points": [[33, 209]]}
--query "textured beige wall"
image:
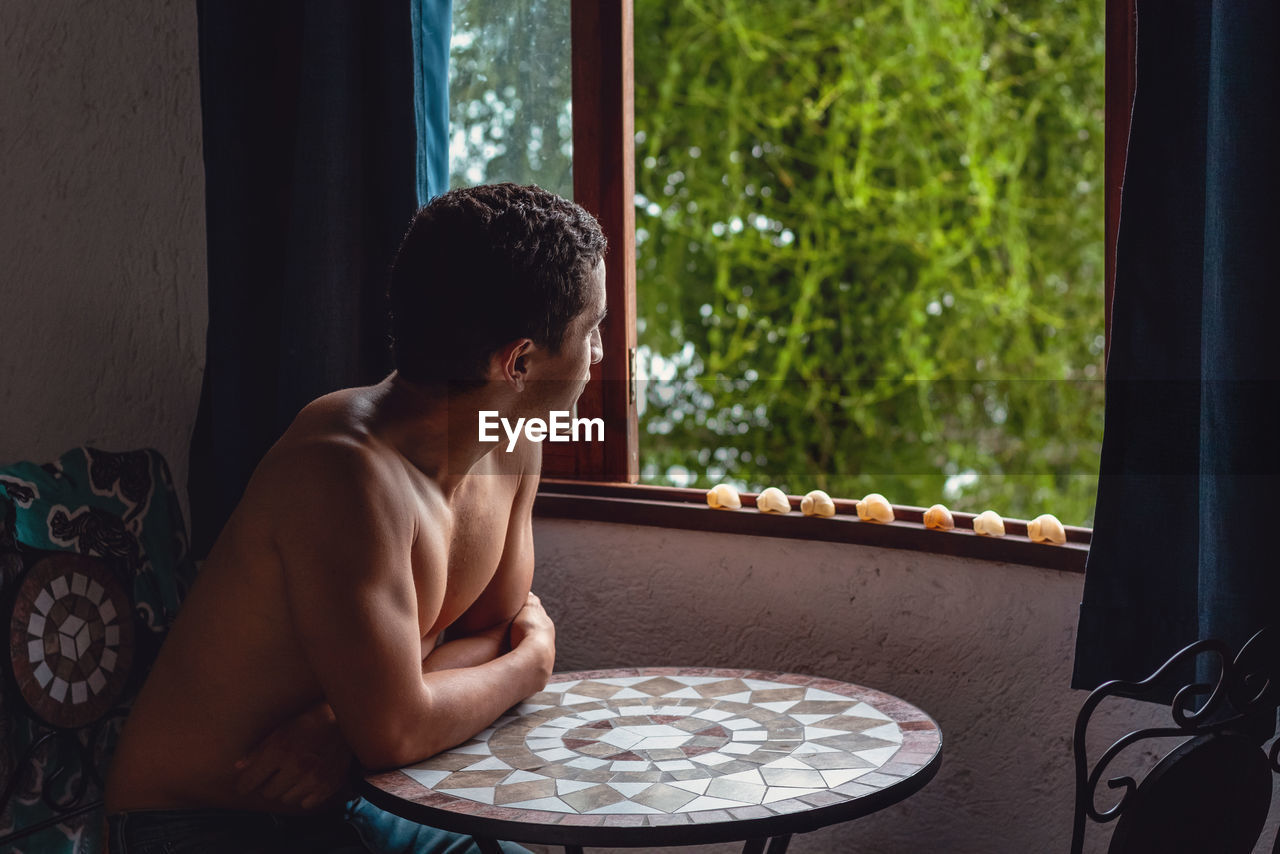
{"points": [[985, 648], [102, 247]]}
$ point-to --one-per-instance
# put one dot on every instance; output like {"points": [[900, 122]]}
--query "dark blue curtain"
{"points": [[1184, 543], [310, 155]]}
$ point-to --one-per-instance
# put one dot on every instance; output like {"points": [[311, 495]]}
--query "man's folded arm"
{"points": [[346, 545], [480, 634]]}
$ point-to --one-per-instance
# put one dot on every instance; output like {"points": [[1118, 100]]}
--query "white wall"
{"points": [[985, 648], [102, 247]]}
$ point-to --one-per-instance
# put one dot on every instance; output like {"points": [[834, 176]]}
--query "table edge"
{"points": [[640, 835]]}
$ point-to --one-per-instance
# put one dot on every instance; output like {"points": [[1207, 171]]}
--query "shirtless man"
{"points": [[370, 593]]}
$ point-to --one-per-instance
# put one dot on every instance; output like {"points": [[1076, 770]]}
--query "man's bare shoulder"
{"points": [[525, 459], [530, 466], [328, 457], [337, 416]]}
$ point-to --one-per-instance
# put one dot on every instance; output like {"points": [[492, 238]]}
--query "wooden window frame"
{"points": [[604, 183], [598, 481]]}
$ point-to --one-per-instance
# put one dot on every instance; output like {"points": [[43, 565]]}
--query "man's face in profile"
{"points": [[564, 375]]}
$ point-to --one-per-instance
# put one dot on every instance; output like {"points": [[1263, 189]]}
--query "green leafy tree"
{"points": [[510, 90], [870, 241]]}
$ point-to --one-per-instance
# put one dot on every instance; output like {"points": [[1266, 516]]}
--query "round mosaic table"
{"points": [[672, 756]]}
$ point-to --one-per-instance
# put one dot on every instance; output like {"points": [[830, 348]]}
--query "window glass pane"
{"points": [[870, 248], [510, 91]]}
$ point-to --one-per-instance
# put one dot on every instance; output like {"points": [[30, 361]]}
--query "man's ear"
{"points": [[511, 363]]}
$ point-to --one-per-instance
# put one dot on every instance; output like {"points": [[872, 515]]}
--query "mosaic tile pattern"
{"points": [[70, 639], [675, 745]]}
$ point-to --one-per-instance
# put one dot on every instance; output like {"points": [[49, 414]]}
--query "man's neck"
{"points": [[436, 432]]}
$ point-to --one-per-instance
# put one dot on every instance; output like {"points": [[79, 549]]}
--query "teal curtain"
{"points": [[432, 30], [1184, 543]]}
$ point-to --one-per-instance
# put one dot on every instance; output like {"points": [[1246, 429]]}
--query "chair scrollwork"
{"points": [[1218, 716]]}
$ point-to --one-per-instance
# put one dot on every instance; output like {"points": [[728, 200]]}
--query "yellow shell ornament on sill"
{"points": [[1046, 528], [939, 518], [722, 496], [989, 524], [817, 503], [875, 508], [773, 500]]}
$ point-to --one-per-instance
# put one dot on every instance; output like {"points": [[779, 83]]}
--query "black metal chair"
{"points": [[1210, 793]]}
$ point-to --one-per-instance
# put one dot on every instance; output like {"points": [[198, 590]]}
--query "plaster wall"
{"points": [[102, 247], [985, 648]]}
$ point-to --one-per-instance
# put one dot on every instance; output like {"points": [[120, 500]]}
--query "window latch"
{"points": [[631, 375]]}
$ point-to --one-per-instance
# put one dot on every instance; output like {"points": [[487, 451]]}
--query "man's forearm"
{"points": [[468, 650], [461, 652], [462, 701]]}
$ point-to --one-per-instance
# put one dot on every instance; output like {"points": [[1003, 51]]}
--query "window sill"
{"points": [[686, 509]]}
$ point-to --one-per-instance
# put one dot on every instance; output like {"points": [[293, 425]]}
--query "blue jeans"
{"points": [[358, 828]]}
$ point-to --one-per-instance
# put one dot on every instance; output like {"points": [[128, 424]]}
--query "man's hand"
{"points": [[301, 765], [532, 628]]}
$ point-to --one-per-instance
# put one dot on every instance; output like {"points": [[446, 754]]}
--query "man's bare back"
{"points": [[250, 650], [369, 597]]}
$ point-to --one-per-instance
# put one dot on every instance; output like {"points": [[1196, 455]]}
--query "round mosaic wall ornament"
{"points": [[71, 639], [680, 743]]}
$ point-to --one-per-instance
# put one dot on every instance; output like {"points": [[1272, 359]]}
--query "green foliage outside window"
{"points": [[510, 92], [870, 248]]}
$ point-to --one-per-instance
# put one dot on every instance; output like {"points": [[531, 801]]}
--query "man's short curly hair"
{"points": [[483, 266]]}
